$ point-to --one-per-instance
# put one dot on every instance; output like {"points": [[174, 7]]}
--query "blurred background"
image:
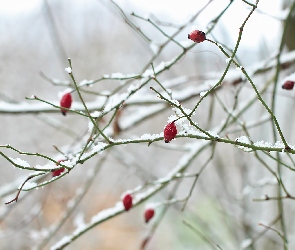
{"points": [[37, 37]]}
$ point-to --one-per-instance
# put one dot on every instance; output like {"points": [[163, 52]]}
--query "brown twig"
{"points": [[18, 192]]}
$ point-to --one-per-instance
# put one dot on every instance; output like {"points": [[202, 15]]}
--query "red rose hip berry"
{"points": [[127, 202], [288, 85], [170, 132], [65, 102], [57, 172], [149, 214], [197, 36]]}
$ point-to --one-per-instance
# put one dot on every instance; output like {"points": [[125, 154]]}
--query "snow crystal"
{"points": [[68, 70], [246, 243], [20, 162]]}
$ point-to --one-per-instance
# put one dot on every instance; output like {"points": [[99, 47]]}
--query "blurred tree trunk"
{"points": [[290, 35]]}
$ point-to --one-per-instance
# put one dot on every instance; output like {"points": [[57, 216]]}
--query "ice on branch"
{"points": [[20, 162], [68, 70]]}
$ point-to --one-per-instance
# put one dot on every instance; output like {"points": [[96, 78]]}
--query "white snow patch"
{"points": [[68, 70], [95, 114], [203, 93], [246, 140], [289, 78], [214, 134], [150, 137], [155, 48], [263, 144], [65, 240], [45, 167], [28, 185], [186, 43], [227, 60], [86, 82], [38, 235], [90, 126], [79, 220], [267, 181], [20, 162], [246, 243], [62, 93]]}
